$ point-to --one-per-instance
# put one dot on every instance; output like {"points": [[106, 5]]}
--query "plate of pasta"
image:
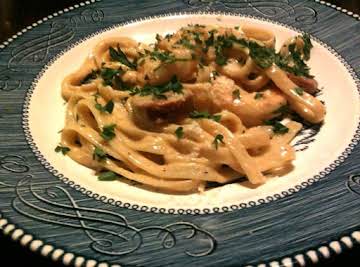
{"points": [[197, 137], [210, 111]]}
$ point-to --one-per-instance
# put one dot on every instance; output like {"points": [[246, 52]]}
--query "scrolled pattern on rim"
{"points": [[353, 183], [37, 50], [304, 15], [110, 233]]}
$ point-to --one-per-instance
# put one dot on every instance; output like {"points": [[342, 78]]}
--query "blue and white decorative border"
{"points": [[47, 250], [312, 256], [354, 141], [303, 258], [343, 10]]}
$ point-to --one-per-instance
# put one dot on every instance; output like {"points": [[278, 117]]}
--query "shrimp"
{"points": [[220, 95], [155, 71]]}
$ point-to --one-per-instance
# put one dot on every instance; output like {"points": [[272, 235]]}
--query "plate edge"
{"points": [[79, 260]]}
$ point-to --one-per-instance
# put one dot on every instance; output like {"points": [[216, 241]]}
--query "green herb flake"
{"points": [[204, 115], [108, 132], [209, 41], [109, 107], [298, 66], [168, 36], [108, 74], [197, 37], [179, 132], [99, 154], [186, 43], [307, 46], [277, 127], [119, 55], [216, 118], [220, 59], [158, 91], [158, 37], [263, 56], [119, 85], [200, 115], [258, 95], [197, 25], [283, 110], [236, 94], [299, 90], [218, 139], [165, 57], [63, 149], [108, 176], [90, 77], [214, 73]]}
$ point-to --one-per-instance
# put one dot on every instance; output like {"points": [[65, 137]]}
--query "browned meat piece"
{"points": [[310, 85], [174, 107]]}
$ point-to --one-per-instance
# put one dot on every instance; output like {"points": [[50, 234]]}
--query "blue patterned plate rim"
{"points": [[335, 246]]}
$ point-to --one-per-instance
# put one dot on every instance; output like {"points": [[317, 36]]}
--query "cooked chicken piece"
{"points": [[174, 107]]}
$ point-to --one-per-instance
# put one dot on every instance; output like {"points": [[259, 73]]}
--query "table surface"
{"points": [[17, 14]]}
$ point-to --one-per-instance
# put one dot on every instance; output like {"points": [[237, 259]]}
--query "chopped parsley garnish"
{"points": [[299, 91], [197, 38], [204, 115], [299, 65], [118, 84], [63, 149], [108, 176], [236, 94], [307, 46], [221, 43], [119, 55], [277, 127], [179, 132], [168, 36], [200, 115], [220, 58], [214, 73], [99, 154], [90, 77], [108, 132], [236, 27], [225, 41], [264, 57], [258, 95], [216, 118], [283, 110], [197, 25], [219, 138], [108, 74], [165, 57], [158, 37], [293, 62], [109, 107], [186, 43], [209, 41], [158, 91]]}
